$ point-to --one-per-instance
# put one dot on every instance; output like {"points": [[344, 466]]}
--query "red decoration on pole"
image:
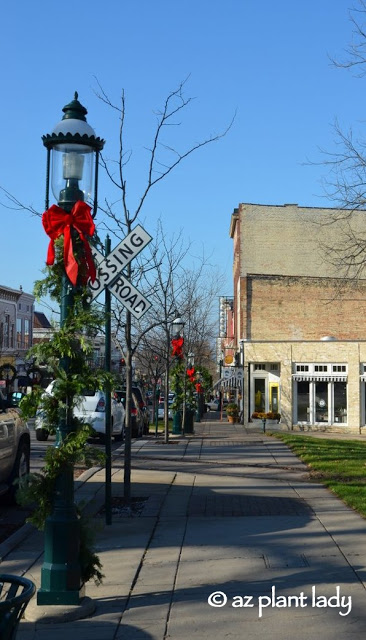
{"points": [[190, 374], [199, 387], [57, 222], [177, 344]]}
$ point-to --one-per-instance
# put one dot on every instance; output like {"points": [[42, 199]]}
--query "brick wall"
{"points": [[294, 240], [296, 308]]}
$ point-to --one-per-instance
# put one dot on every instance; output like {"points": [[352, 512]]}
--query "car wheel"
{"points": [[42, 435], [119, 437], [20, 469]]}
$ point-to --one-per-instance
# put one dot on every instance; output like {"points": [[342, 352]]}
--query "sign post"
{"points": [[110, 279]]}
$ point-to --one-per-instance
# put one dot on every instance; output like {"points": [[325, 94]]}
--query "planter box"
{"points": [[258, 422]]}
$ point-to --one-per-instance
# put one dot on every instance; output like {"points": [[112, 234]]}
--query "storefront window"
{"points": [[321, 402], [303, 402], [340, 401]]}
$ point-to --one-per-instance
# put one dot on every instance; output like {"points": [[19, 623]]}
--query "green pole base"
{"points": [[60, 597], [189, 421], [177, 423], [60, 573], [61, 581]]}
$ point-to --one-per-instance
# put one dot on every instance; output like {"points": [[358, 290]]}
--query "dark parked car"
{"points": [[137, 418], [142, 406]]}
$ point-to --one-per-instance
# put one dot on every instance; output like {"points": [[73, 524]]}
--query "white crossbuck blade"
{"points": [[109, 272]]}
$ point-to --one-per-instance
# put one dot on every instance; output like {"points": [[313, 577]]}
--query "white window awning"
{"points": [[228, 383], [319, 378]]}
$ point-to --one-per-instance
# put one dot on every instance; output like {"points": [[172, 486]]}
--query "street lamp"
{"points": [[72, 167], [177, 340]]}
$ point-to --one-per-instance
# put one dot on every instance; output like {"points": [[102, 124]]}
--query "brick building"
{"points": [[299, 322], [16, 333]]}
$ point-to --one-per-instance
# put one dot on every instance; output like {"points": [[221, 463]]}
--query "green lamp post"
{"points": [[177, 329], [72, 168]]}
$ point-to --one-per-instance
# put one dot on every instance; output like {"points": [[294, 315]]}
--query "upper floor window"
{"points": [[339, 368], [302, 367], [322, 370], [19, 333], [26, 333], [274, 366]]}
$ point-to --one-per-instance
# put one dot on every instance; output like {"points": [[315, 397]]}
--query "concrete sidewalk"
{"points": [[233, 541]]}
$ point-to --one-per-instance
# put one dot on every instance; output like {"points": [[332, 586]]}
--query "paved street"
{"points": [[14, 516], [233, 541]]}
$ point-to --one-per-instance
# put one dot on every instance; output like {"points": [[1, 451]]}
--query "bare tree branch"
{"points": [[356, 51], [158, 169], [17, 204]]}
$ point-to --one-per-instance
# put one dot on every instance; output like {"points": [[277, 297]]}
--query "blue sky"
{"points": [[267, 61]]}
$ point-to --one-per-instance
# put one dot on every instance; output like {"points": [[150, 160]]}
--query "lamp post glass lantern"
{"points": [[72, 168], [177, 328], [73, 151]]}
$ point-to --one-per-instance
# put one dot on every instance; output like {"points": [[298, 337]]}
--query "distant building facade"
{"points": [[299, 327], [16, 333], [42, 328]]}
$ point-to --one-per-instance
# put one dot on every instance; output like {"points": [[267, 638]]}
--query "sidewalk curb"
{"points": [[24, 531], [15, 539]]}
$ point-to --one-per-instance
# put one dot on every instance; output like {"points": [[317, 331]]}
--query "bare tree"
{"points": [[345, 182], [164, 157], [178, 289], [355, 53]]}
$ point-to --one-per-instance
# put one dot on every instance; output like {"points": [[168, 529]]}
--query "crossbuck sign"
{"points": [[109, 272]]}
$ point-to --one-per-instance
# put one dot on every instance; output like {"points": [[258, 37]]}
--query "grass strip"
{"points": [[338, 464]]}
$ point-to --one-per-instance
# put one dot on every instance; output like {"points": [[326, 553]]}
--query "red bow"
{"points": [[56, 222], [199, 387], [177, 344], [190, 374]]}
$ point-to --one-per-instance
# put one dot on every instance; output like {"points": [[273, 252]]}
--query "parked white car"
{"points": [[213, 405], [14, 449], [91, 409], [161, 412]]}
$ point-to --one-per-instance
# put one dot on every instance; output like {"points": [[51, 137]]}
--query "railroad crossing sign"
{"points": [[109, 272]]}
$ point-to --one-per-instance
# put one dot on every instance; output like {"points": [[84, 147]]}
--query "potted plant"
{"points": [[232, 412]]}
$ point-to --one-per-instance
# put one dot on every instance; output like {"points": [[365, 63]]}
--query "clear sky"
{"points": [[266, 60]]}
